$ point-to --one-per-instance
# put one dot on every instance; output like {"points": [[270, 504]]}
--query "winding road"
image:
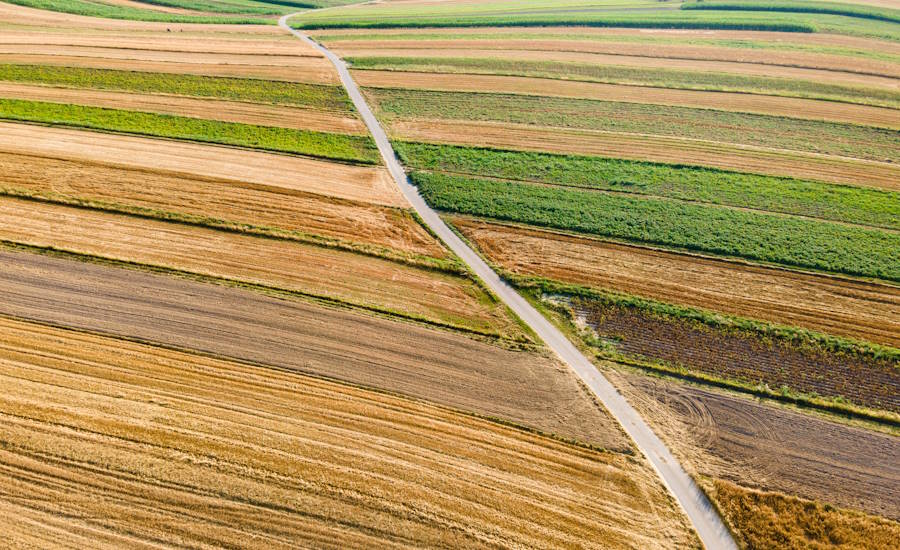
{"points": [[702, 514]]}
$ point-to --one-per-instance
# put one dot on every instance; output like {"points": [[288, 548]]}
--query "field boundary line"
{"points": [[708, 524]]}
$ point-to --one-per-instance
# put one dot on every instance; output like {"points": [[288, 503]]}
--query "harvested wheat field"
{"points": [[769, 448], [172, 448], [742, 102], [436, 365], [755, 69], [205, 108], [739, 158], [357, 183], [834, 305], [314, 270], [223, 202]]}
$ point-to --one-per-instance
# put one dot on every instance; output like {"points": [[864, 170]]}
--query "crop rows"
{"points": [[635, 118], [317, 96], [288, 140], [111, 11], [791, 196], [744, 356], [752, 235], [830, 8]]}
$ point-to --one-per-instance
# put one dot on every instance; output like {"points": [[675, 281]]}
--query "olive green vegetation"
{"points": [[358, 149], [849, 204], [720, 126], [831, 8], [316, 96], [755, 236], [110, 11], [657, 78]]}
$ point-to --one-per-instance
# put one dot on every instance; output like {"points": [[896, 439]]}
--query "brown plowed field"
{"points": [[770, 448], [756, 69], [749, 103], [210, 109], [259, 205], [550, 49], [156, 446], [425, 363], [358, 183], [743, 356], [361, 280], [829, 304], [312, 70], [653, 148]]}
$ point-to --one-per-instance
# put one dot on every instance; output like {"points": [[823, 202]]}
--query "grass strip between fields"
{"points": [[356, 149], [110, 11], [768, 238], [636, 76], [536, 288], [834, 138], [317, 96], [850, 204]]}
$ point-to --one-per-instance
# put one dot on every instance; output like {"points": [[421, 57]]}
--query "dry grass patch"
{"points": [[309, 269], [828, 304], [742, 102], [357, 183], [225, 202], [125, 443], [767, 519], [671, 150]]}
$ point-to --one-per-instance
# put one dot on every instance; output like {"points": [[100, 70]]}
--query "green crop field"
{"points": [[831, 8], [755, 236], [848, 204], [317, 96], [721, 126], [110, 11], [303, 142], [611, 74]]}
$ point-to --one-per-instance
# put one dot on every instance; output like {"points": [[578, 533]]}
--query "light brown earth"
{"points": [[229, 201], [550, 49], [167, 447], [305, 69], [727, 101], [764, 446], [357, 183], [314, 270], [755, 69], [205, 108], [829, 304], [741, 158], [440, 366]]}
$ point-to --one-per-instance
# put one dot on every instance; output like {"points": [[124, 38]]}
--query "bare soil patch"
{"points": [[206, 108], [358, 183], [726, 101], [770, 448], [241, 203], [360, 280], [829, 304], [93, 428], [653, 148], [439, 366]]}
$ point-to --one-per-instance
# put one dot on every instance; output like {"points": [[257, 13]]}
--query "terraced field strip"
{"points": [[123, 440], [749, 103], [242, 206], [651, 148], [363, 281], [357, 183], [208, 109], [748, 69], [829, 304]]}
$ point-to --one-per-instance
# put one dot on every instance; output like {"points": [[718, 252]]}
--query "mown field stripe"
{"points": [[794, 242], [357, 149]]}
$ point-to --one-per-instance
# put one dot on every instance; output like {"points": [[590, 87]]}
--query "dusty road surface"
{"points": [[439, 366], [703, 516], [772, 448]]}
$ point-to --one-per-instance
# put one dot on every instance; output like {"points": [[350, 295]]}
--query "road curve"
{"points": [[703, 516]]}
